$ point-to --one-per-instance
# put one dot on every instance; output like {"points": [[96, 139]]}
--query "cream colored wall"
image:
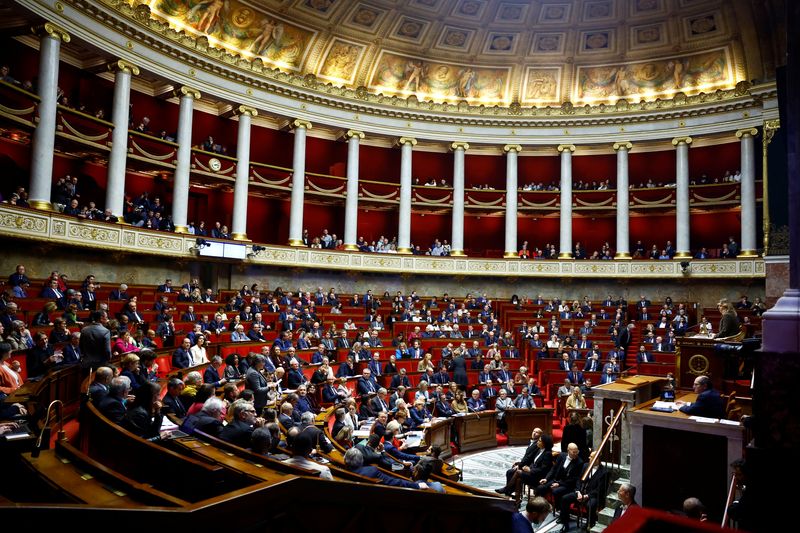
{"points": [[39, 260]]}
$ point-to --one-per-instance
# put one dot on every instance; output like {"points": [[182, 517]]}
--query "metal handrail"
{"points": [[729, 501], [611, 429]]}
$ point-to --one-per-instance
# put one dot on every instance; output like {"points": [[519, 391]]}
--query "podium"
{"points": [[476, 430], [608, 399], [674, 456], [437, 433], [522, 421], [696, 356]]}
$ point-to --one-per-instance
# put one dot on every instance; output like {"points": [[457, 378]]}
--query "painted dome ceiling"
{"points": [[534, 52]]}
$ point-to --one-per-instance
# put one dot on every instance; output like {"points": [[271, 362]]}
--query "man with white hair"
{"points": [[563, 477], [112, 406]]}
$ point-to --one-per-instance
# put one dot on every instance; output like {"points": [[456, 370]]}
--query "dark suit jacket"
{"points": [[237, 432], [364, 388], [709, 404], [258, 384], [181, 358], [112, 408], [294, 378], [398, 380], [329, 394], [566, 477], [95, 345], [211, 375], [174, 405], [618, 509], [384, 479]]}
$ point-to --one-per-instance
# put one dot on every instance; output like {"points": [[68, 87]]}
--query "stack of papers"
{"points": [[666, 407], [704, 420]]}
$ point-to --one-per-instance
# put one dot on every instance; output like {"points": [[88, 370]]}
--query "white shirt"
{"points": [[198, 355]]}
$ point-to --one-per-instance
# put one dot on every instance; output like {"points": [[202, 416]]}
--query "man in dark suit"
{"points": [[537, 460], [89, 297], [590, 492], [627, 499], [244, 422], [592, 363], [708, 403], [475, 404], [98, 389], [416, 352], [95, 343], [295, 377], [624, 340], [211, 374], [120, 294], [375, 365], [354, 461], [256, 382], [329, 392], [341, 340], [489, 392], [112, 406], [166, 287], [172, 402], [643, 356], [575, 376], [366, 383], [563, 477], [181, 358], [400, 379]]}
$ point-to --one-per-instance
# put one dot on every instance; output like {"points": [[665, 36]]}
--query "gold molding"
{"points": [[51, 30], [247, 110], [511, 255], [626, 145], [678, 140], [300, 123], [748, 253], [459, 145], [770, 127], [746, 131], [622, 256], [296, 243], [41, 204], [239, 236], [404, 251], [407, 140], [354, 133], [457, 253], [682, 255], [123, 66], [566, 147], [188, 91], [565, 255], [182, 229], [350, 247], [512, 148]]}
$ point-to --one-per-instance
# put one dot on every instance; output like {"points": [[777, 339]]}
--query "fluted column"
{"points": [[183, 165], [404, 216], [623, 237], [682, 245], [239, 229], [457, 241], [298, 182], [748, 192], [44, 136], [512, 152], [115, 188], [351, 202], [565, 244]]}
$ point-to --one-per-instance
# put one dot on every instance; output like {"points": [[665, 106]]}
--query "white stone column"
{"points": [[682, 245], [748, 192], [351, 201], [512, 152], [298, 182], [44, 136], [623, 237], [404, 216], [457, 241], [183, 165], [239, 229], [565, 245], [117, 159]]}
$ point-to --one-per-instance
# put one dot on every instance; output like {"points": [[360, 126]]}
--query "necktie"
{"points": [[58, 293]]}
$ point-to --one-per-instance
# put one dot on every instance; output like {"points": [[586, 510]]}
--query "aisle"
{"points": [[487, 469]]}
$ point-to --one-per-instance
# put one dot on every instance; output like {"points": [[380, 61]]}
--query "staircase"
{"points": [[606, 514]]}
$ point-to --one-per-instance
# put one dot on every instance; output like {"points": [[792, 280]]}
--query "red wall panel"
{"points": [[373, 224], [539, 169], [224, 131], [319, 217], [652, 229], [713, 161], [163, 115], [380, 164], [484, 235], [324, 156], [592, 232], [272, 147], [538, 231], [426, 227], [428, 165], [594, 168], [485, 170], [713, 229], [658, 166]]}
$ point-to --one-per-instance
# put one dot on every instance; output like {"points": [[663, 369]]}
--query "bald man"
{"points": [[563, 477]]}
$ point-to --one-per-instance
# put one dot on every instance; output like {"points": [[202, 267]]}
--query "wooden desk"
{"points": [[608, 399], [438, 434], [522, 421], [477, 430], [674, 456], [696, 356]]}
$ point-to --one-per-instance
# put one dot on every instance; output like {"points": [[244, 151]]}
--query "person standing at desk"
{"points": [[729, 323], [708, 403]]}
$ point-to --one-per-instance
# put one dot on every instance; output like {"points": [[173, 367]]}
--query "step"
{"points": [[597, 528], [605, 516]]}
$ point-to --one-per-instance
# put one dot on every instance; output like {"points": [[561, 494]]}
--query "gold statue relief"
{"points": [[699, 364]]}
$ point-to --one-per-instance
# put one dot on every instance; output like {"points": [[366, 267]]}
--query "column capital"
{"points": [[770, 127], [191, 92], [300, 123], [459, 145], [51, 30], [512, 148], [746, 131], [121, 65], [247, 110], [566, 147], [354, 133], [681, 140], [407, 140], [623, 145]]}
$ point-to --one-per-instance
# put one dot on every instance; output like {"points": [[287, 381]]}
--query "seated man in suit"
{"points": [[489, 392], [590, 492], [286, 417], [627, 499], [316, 357], [563, 477], [475, 404], [593, 362], [354, 461], [708, 404], [172, 402], [575, 376], [112, 405], [608, 375], [400, 379], [643, 356], [366, 383], [240, 429], [486, 376], [295, 377], [380, 401], [211, 373], [375, 365]]}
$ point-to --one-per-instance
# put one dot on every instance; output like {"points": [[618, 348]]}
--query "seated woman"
{"points": [[144, 417], [132, 370], [576, 399], [232, 371]]}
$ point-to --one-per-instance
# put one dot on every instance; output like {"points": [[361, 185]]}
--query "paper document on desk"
{"points": [[729, 422], [664, 406], [413, 439], [704, 420], [168, 425], [361, 434]]}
